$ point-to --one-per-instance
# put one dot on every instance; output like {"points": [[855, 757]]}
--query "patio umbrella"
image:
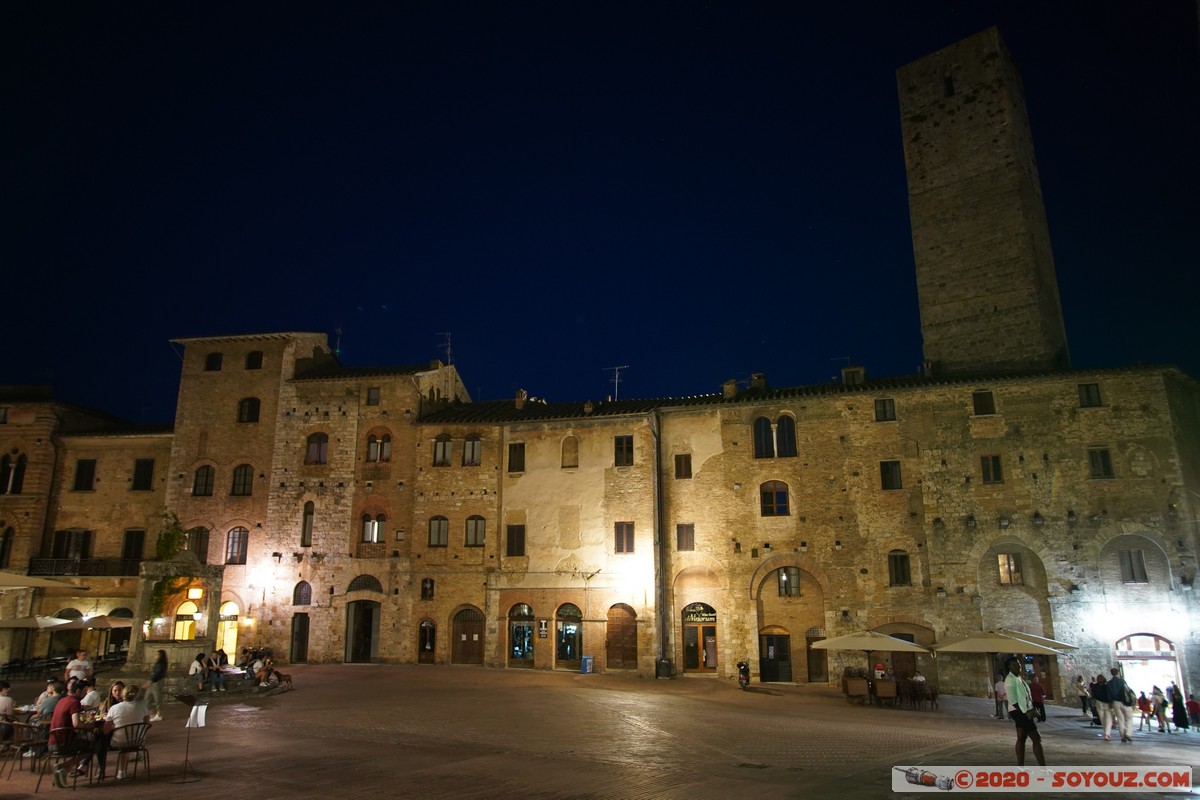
{"points": [[1055, 643], [101, 622], [869, 642], [11, 580], [1000, 641], [36, 622]]}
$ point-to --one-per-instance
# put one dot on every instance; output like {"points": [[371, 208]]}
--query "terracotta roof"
{"points": [[334, 371]]}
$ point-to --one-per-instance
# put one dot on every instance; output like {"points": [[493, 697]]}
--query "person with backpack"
{"points": [[1122, 700]]}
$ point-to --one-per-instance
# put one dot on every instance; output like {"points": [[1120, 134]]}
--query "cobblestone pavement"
{"points": [[438, 732]]}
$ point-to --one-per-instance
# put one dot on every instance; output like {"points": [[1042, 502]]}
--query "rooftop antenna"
{"points": [[616, 380], [840, 358], [337, 342], [446, 347]]}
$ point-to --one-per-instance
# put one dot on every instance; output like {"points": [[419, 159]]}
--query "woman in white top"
{"points": [[128, 712]]}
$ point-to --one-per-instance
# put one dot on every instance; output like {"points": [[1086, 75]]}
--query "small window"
{"points": [[6, 540], [683, 466], [1133, 566], [1100, 462], [248, 409], [516, 457], [441, 451], [85, 474], [12, 473], [197, 544], [990, 466], [143, 474], [439, 532], [774, 496], [899, 573], [317, 449], [624, 537], [514, 540], [254, 359], [202, 483], [885, 410], [212, 362], [623, 451], [685, 537], [785, 437], [788, 579], [1010, 569], [472, 451], [1089, 395], [476, 535], [306, 525], [243, 481], [984, 403], [373, 396], [428, 587], [570, 452], [302, 594], [134, 545], [764, 438], [236, 545], [889, 475], [372, 528]]}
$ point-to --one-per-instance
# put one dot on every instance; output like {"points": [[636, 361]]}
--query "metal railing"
{"points": [[84, 566]]}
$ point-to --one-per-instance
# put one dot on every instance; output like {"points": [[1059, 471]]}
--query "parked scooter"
{"points": [[743, 668]]}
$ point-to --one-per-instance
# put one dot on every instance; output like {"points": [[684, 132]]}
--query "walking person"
{"points": [[1103, 706], [1179, 714], [1038, 693], [1001, 697], [158, 676], [1121, 702], [1085, 696], [1147, 712], [1158, 707], [1020, 708]]}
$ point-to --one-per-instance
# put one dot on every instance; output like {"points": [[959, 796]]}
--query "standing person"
{"points": [[1085, 695], [1158, 707], [1179, 713], [199, 671], [1119, 695], [1020, 704], [158, 675], [78, 667], [1193, 708], [1001, 697], [1038, 693], [1100, 700], [1146, 711]]}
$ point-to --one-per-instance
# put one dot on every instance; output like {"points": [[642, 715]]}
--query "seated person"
{"points": [[199, 671], [92, 698], [216, 677], [130, 711], [7, 714], [68, 713]]}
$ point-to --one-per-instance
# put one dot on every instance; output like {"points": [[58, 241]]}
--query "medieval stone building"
{"points": [[356, 514]]}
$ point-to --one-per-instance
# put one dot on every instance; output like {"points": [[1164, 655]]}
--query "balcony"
{"points": [[372, 550], [99, 567]]}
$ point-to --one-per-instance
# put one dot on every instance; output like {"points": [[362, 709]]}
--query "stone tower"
{"points": [[985, 272]]}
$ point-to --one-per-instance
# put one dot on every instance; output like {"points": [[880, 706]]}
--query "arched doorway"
{"points": [[520, 636], [185, 621], [426, 642], [227, 628], [775, 655], [362, 631], [1147, 660], [699, 638], [468, 637], [621, 650], [298, 653], [568, 637]]}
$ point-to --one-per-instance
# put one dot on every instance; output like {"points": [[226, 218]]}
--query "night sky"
{"points": [[696, 190]]}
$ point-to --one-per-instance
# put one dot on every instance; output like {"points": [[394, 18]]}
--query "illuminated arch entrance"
{"points": [[1147, 660], [227, 629]]}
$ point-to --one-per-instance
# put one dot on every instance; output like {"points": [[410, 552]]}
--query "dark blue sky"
{"points": [[697, 191]]}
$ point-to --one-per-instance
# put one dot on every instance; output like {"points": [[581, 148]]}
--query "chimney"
{"points": [[588, 408], [758, 380], [854, 376], [729, 389], [522, 396]]}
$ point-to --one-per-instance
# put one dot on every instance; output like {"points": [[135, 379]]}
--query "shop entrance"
{"points": [[468, 637], [520, 636], [699, 638], [569, 637], [775, 655]]}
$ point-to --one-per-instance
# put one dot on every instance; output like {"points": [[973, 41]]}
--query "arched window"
{"points": [[472, 450], [243, 480], [365, 583], [302, 594], [248, 409], [475, 531], [202, 483], [12, 473], [788, 580], [441, 450], [372, 527], [379, 448], [764, 438], [570, 452], [785, 436], [185, 621], [236, 545], [306, 527], [439, 532], [254, 359], [317, 451], [6, 540], [774, 496]]}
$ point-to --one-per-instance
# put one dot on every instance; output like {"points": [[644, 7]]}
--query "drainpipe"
{"points": [[663, 667]]}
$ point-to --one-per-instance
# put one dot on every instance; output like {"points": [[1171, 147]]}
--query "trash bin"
{"points": [[662, 668], [585, 665]]}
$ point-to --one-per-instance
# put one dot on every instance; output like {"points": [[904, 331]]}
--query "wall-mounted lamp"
{"points": [[1071, 517], [970, 520], [837, 545], [1005, 522], [1185, 583], [939, 523], [804, 547], [277, 556], [298, 556], [845, 613], [258, 526], [1038, 519], [941, 591], [368, 488], [195, 593], [197, 616], [318, 557], [767, 546]]}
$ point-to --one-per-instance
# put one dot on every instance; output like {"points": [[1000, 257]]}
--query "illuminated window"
{"points": [[243, 481], [202, 483], [788, 579], [317, 449], [899, 573], [185, 621], [774, 497], [624, 537], [475, 531], [248, 408], [1010, 569], [439, 532], [372, 528]]}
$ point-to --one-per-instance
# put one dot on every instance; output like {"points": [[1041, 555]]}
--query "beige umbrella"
{"points": [[11, 580], [34, 622], [869, 642], [100, 622], [999, 642], [1039, 639]]}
